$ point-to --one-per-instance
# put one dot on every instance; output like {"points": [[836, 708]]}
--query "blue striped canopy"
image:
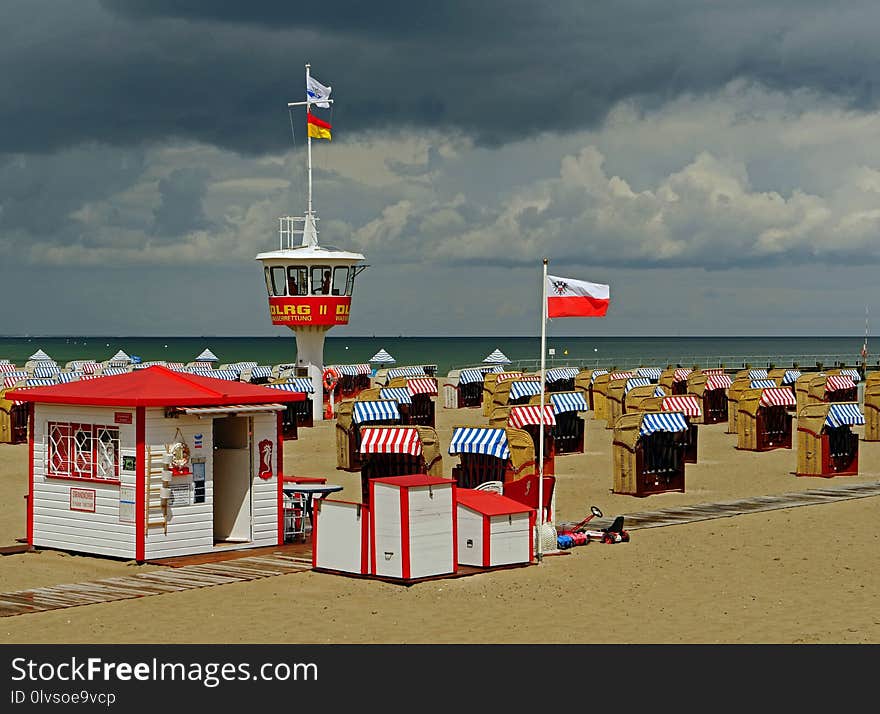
{"points": [[568, 402], [489, 441], [230, 375], [844, 413], [762, 384], [112, 371], [636, 382], [297, 384], [853, 373], [400, 395], [597, 373], [406, 372], [375, 411], [524, 389], [758, 374], [659, 391], [558, 373], [470, 376], [41, 382], [65, 377], [349, 370], [667, 421], [652, 373], [791, 375], [43, 372], [261, 371]]}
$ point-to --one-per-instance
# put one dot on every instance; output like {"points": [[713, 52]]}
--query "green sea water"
{"points": [[454, 352]]}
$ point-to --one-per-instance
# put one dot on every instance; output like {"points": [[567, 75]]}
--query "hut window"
{"points": [[83, 451], [321, 280], [340, 281], [268, 280], [297, 280], [279, 282]]}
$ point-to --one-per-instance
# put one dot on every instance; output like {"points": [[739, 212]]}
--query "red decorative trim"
{"points": [[280, 440], [487, 540], [30, 504], [531, 539], [140, 504], [454, 528], [404, 534], [86, 479], [372, 487], [365, 537]]}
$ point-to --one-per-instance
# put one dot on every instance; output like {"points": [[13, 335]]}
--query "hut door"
{"points": [[232, 479]]}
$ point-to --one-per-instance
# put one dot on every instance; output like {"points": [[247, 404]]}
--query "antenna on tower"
{"points": [[865, 346]]}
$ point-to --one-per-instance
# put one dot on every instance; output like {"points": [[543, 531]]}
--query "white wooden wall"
{"points": [[510, 539], [55, 525], [385, 511], [340, 544], [431, 514], [470, 528]]}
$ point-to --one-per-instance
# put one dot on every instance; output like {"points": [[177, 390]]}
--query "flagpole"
{"points": [[539, 550], [308, 134]]}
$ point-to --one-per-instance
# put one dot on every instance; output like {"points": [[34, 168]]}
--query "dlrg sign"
{"points": [[310, 310]]}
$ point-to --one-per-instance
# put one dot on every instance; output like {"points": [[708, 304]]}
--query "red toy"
{"points": [[613, 534]]}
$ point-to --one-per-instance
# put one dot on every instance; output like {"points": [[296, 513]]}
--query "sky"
{"points": [[716, 163]]}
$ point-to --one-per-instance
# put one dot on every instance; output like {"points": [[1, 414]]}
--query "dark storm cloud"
{"points": [[131, 71], [180, 209]]}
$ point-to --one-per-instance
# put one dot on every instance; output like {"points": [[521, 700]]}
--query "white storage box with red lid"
{"points": [[493, 530], [341, 538], [412, 526]]}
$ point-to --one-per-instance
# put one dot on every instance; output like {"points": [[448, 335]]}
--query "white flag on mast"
{"points": [[317, 93]]}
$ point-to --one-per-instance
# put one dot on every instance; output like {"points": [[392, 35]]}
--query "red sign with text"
{"points": [[309, 310], [122, 417]]}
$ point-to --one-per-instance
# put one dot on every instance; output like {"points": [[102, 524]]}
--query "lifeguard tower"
{"points": [[309, 285]]}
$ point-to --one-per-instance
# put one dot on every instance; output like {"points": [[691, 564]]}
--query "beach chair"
{"points": [[568, 434], [872, 410], [398, 451], [711, 387], [525, 490], [648, 454], [764, 422], [491, 454], [351, 417], [827, 445]]}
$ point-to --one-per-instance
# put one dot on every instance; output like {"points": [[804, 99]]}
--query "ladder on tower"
{"points": [[157, 489]]}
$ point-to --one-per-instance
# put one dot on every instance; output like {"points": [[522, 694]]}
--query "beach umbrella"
{"points": [[207, 356], [39, 355], [382, 357], [120, 357], [497, 357]]}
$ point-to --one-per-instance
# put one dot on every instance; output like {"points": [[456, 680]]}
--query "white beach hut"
{"points": [[155, 463]]}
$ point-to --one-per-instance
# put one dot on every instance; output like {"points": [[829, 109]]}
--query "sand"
{"points": [[799, 575]]}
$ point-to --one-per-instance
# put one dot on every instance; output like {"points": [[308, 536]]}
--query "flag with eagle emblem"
{"points": [[576, 298]]}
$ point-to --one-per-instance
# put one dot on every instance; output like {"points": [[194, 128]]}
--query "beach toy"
{"points": [[564, 541]]}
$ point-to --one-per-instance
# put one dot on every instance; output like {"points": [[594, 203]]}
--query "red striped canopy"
{"points": [[714, 370], [839, 381], [688, 404], [502, 376], [681, 374], [520, 416], [422, 385], [376, 440], [620, 375], [778, 396], [719, 381]]}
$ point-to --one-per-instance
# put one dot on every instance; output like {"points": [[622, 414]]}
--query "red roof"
{"points": [[155, 386], [413, 480], [490, 503]]}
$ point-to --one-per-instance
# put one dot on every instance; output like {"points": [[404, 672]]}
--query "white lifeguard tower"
{"points": [[309, 285]]}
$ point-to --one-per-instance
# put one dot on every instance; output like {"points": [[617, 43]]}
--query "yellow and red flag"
{"points": [[318, 128]]}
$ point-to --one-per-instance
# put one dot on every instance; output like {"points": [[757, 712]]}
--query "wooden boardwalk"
{"points": [[156, 582], [241, 569], [725, 509]]}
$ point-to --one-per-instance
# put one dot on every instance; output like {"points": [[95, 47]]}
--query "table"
{"points": [[310, 491]]}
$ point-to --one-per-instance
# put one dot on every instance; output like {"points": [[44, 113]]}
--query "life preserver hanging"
{"points": [[330, 378]]}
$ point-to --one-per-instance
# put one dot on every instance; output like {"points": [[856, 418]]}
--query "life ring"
{"points": [[330, 377], [179, 455]]}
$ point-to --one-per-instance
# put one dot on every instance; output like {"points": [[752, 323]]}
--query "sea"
{"points": [[449, 353]]}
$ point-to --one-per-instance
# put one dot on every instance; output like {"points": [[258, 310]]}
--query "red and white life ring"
{"points": [[330, 378]]}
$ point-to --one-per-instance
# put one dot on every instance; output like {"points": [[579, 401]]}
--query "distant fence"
{"points": [[731, 362]]}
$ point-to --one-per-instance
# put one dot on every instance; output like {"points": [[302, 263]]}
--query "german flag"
{"points": [[318, 128]]}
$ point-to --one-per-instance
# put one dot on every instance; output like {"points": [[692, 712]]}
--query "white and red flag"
{"points": [[576, 298]]}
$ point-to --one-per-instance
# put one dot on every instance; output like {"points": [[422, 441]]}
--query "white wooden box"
{"points": [[493, 530], [450, 396], [412, 526], [341, 536]]}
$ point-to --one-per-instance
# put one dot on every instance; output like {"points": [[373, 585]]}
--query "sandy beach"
{"points": [[798, 575]]}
